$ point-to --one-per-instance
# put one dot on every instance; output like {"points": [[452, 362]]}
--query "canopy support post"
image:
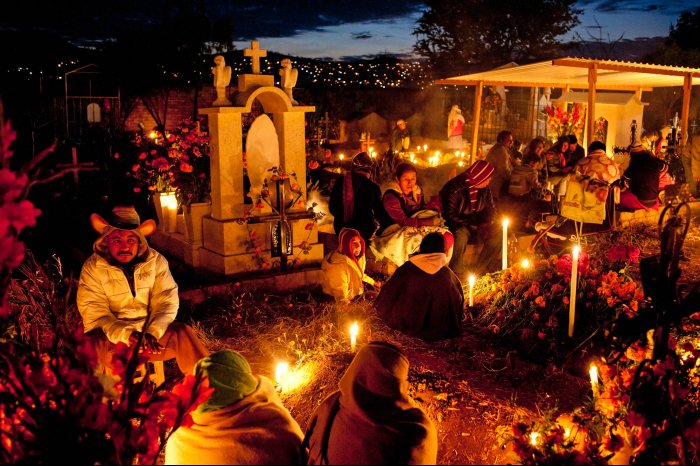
{"points": [[478, 91], [590, 123], [687, 88]]}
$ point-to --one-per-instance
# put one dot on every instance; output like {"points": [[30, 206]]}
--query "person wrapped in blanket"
{"points": [[372, 419], [343, 270], [242, 422], [644, 178], [409, 218]]}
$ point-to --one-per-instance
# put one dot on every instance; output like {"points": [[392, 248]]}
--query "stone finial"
{"points": [[222, 78]]}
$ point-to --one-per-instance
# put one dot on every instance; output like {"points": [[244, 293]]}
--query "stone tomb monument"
{"points": [[275, 138]]}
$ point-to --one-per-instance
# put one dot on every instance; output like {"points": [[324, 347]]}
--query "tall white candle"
{"points": [[472, 279], [572, 295], [504, 254]]}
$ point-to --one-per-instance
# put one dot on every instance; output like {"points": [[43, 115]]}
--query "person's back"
{"points": [[372, 419], [523, 179], [242, 422], [424, 298], [355, 200], [643, 173]]}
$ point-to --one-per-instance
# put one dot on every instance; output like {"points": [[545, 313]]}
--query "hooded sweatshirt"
{"points": [[113, 299], [423, 299], [371, 419]]}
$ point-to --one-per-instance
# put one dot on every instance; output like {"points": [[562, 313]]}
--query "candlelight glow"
{"points": [[460, 163], [472, 280], [152, 134], [525, 264], [576, 251], [291, 379], [341, 156], [593, 372], [504, 252], [280, 372], [425, 147], [354, 330], [533, 438]]}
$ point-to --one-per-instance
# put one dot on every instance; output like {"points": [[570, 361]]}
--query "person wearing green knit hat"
{"points": [[242, 422]]}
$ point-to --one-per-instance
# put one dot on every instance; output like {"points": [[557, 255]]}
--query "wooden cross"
{"points": [[76, 166], [255, 52]]}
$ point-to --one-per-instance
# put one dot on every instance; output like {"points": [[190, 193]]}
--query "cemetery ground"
{"points": [[473, 387]]}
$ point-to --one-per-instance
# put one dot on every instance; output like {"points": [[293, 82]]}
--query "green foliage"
{"points": [[457, 35]]}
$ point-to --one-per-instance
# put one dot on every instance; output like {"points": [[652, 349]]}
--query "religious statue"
{"points": [[289, 78], [455, 124], [222, 78]]}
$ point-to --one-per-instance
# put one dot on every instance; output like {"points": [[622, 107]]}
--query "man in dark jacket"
{"points": [[468, 209], [356, 201]]}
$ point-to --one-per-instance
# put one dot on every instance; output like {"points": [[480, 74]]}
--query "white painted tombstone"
{"points": [[262, 153]]}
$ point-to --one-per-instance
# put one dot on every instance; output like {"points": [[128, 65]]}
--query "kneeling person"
{"points": [[424, 298]]}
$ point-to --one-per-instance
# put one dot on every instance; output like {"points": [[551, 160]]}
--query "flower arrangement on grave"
{"points": [[642, 410], [177, 160], [529, 307], [491, 102], [562, 123], [52, 404]]}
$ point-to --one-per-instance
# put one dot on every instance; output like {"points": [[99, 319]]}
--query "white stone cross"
{"points": [[255, 52]]}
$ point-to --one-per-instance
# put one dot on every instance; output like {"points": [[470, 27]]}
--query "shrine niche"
{"points": [[617, 114], [244, 238]]}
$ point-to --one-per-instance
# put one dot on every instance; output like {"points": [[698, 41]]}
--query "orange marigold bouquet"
{"points": [[562, 123]]}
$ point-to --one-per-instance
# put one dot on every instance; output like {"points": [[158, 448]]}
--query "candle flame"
{"points": [[505, 223], [533, 438], [576, 251], [281, 372], [472, 279], [341, 156], [354, 330], [593, 372], [525, 263]]}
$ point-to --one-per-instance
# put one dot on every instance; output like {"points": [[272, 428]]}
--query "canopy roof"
{"points": [[573, 73]]}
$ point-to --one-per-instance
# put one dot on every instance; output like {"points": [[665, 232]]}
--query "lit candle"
{"points": [[504, 254], [425, 147], [354, 329], [472, 279], [533, 438], [593, 372], [525, 264], [341, 156], [280, 372], [572, 295]]}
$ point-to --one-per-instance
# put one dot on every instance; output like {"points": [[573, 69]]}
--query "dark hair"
{"points": [[531, 157], [573, 139], [503, 135], [361, 162], [534, 143], [432, 242], [596, 145], [404, 167]]}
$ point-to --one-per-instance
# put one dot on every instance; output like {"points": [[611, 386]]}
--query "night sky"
{"points": [[321, 28]]}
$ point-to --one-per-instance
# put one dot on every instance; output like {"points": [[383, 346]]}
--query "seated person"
{"points": [[643, 179], [344, 269], [469, 210], [598, 166], [242, 422], [126, 292], [526, 191], [576, 152], [372, 419], [355, 200], [556, 165], [409, 217], [424, 298]]}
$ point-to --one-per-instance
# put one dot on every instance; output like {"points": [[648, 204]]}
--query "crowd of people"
{"points": [[127, 294]]}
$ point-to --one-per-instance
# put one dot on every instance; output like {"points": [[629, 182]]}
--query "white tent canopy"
{"points": [[581, 73]]}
